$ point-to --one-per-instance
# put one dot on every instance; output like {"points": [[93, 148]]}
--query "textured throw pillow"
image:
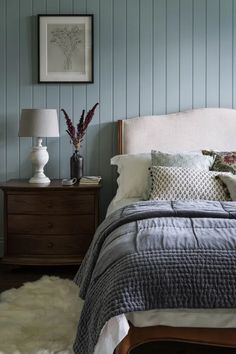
{"points": [[224, 161], [176, 183], [133, 175], [186, 160], [230, 182]]}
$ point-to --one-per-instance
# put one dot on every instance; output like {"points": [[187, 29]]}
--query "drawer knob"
{"points": [[50, 225], [50, 245]]}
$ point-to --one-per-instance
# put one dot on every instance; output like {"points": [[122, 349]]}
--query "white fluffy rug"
{"points": [[41, 317]]}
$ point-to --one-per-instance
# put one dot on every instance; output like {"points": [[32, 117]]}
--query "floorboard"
{"points": [[14, 277]]}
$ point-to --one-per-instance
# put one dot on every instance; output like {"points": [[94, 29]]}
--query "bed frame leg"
{"points": [[124, 347]]}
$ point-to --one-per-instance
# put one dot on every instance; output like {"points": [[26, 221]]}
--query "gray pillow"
{"points": [[186, 160]]}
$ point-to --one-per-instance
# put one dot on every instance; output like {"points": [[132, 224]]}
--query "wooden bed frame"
{"points": [[226, 121], [220, 337]]}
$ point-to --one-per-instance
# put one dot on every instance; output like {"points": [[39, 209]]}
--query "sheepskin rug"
{"points": [[41, 317]]}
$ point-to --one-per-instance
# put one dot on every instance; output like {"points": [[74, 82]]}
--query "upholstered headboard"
{"points": [[207, 128]]}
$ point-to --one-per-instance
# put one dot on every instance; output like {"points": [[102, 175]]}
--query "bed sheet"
{"points": [[115, 205], [117, 327]]}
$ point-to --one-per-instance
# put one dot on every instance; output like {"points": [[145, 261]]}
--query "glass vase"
{"points": [[76, 165]]}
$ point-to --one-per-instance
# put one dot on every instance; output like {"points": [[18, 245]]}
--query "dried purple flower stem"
{"points": [[76, 135]]}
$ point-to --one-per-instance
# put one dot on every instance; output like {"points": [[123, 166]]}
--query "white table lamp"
{"points": [[39, 123]]}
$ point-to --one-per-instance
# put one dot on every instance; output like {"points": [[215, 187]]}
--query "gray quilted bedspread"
{"points": [[157, 254]]}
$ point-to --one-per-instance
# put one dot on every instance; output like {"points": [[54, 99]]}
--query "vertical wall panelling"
{"points": [[2, 110], [150, 56], [159, 57], [106, 94], [52, 101], [133, 36], [199, 53], [173, 29], [92, 138], [234, 54], [146, 57], [52, 7], [213, 58], [119, 71], [66, 148], [39, 90], [25, 92], [66, 96], [186, 50], [226, 58], [119, 59], [3, 91], [12, 144], [80, 91]]}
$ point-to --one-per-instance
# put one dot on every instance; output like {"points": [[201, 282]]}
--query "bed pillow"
{"points": [[177, 183], [230, 182], [225, 161], [186, 160], [133, 175]]}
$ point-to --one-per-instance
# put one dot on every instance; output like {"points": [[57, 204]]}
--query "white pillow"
{"points": [[177, 183], [230, 181], [133, 175]]}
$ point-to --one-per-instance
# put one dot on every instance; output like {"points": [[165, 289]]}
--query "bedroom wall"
{"points": [[150, 57]]}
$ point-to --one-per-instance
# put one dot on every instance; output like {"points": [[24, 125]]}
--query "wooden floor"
{"points": [[14, 277]]}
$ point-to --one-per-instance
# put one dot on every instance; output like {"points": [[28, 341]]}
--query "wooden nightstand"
{"points": [[48, 225]]}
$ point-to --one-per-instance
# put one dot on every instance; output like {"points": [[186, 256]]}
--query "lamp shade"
{"points": [[39, 123]]}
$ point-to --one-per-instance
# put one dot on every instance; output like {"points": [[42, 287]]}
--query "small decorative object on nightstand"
{"points": [[48, 224], [76, 135], [88, 180]]}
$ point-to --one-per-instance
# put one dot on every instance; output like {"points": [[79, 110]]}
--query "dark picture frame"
{"points": [[65, 48]]}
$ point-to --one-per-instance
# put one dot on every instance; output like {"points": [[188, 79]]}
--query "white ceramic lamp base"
{"points": [[39, 158]]}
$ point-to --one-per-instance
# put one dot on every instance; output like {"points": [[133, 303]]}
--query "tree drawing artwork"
{"points": [[68, 39]]}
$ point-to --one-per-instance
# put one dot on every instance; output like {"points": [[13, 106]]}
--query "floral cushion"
{"points": [[176, 183], [225, 161]]}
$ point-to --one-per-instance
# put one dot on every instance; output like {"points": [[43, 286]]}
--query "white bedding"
{"points": [[113, 206], [117, 327]]}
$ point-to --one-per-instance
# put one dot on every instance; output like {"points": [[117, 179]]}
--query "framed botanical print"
{"points": [[65, 48]]}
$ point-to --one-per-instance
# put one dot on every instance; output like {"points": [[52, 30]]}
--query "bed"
{"points": [[185, 131]]}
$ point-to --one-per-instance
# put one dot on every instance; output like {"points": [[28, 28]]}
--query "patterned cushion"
{"points": [[186, 160], [176, 183], [224, 161]]}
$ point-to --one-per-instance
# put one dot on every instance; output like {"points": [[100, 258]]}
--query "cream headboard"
{"points": [[207, 128]]}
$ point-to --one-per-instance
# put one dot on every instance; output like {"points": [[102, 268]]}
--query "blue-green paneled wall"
{"points": [[150, 57]]}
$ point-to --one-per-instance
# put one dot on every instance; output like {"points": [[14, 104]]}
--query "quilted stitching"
{"points": [[176, 280], [190, 277]]}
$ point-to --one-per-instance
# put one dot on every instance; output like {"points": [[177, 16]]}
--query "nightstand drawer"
{"points": [[49, 224], [50, 245], [55, 203]]}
